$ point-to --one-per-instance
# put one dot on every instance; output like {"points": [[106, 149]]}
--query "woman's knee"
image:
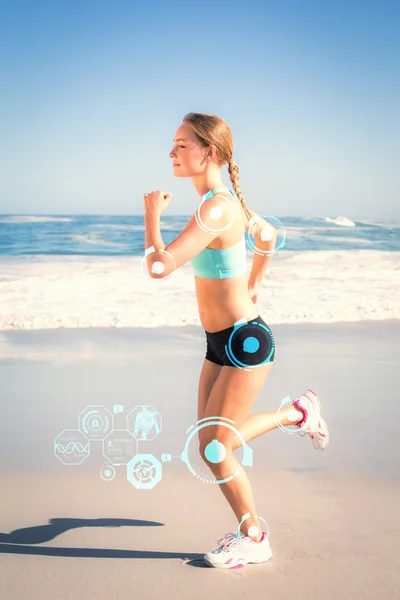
{"points": [[215, 448]]}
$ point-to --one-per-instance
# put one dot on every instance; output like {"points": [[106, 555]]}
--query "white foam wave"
{"points": [[342, 221], [172, 226], [163, 226], [329, 238], [299, 287], [294, 233], [34, 219]]}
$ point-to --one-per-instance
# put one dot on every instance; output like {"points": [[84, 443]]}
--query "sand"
{"points": [[332, 515]]}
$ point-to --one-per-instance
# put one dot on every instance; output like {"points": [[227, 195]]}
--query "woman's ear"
{"points": [[211, 154]]}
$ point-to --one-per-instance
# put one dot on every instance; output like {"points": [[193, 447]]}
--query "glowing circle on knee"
{"points": [[246, 459], [215, 452]]}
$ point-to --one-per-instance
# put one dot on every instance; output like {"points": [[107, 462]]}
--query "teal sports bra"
{"points": [[224, 263]]}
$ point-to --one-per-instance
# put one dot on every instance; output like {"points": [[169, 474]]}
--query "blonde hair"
{"points": [[212, 130]]}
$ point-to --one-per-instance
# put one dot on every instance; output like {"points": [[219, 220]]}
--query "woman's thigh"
{"points": [[232, 398], [208, 377]]}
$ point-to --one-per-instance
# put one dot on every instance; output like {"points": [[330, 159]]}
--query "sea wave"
{"points": [[342, 221], [163, 226], [92, 239], [34, 219], [92, 291]]}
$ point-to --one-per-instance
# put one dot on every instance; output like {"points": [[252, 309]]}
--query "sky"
{"points": [[92, 94]]}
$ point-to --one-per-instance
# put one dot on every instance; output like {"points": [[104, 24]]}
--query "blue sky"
{"points": [[92, 94]]}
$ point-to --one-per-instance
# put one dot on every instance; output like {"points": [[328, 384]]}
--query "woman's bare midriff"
{"points": [[222, 302]]}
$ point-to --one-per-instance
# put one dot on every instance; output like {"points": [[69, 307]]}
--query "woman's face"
{"points": [[187, 154]]}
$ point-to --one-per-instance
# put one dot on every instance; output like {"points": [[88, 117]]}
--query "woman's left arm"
{"points": [[154, 243], [153, 233], [155, 204]]}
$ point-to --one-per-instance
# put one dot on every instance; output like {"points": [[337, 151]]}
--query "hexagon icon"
{"points": [[119, 447], [143, 471], [95, 422], [71, 447], [144, 422]]}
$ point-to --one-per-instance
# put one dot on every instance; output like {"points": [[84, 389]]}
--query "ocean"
{"points": [[89, 271]]}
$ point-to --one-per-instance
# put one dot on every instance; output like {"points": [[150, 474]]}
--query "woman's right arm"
{"points": [[264, 246]]}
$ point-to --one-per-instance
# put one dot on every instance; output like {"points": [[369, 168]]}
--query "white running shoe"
{"points": [[234, 552], [312, 424]]}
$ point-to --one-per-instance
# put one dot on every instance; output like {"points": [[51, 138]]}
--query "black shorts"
{"points": [[244, 345]]}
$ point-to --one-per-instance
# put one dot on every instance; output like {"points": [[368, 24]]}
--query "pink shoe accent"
{"points": [[264, 535], [238, 566], [298, 405]]}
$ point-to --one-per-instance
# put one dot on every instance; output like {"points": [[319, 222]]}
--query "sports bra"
{"points": [[224, 263]]}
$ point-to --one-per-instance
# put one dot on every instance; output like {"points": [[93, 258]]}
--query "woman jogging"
{"points": [[240, 345]]}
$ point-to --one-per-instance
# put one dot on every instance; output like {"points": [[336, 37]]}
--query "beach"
{"points": [[117, 163], [92, 349], [332, 515]]}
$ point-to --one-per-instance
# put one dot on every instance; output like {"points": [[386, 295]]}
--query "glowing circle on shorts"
{"points": [[250, 344]]}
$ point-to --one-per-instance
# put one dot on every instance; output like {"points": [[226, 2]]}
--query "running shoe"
{"points": [[234, 552], [312, 423]]}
